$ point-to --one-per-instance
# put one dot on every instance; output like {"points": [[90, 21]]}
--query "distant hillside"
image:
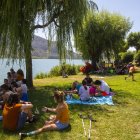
{"points": [[41, 49]]}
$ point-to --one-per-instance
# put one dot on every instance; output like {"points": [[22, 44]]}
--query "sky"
{"points": [[127, 8]]}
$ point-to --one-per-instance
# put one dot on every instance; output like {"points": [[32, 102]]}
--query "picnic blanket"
{"points": [[93, 101]]}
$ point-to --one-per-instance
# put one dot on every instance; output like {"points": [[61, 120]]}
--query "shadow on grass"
{"points": [[122, 97], [42, 96]]}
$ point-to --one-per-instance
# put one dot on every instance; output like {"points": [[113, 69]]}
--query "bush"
{"points": [[69, 70], [137, 57], [57, 71], [127, 57], [41, 75]]}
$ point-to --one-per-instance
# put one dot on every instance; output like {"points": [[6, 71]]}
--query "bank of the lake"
{"points": [[39, 65]]}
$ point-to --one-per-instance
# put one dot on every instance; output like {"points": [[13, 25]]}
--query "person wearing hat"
{"points": [[58, 122]]}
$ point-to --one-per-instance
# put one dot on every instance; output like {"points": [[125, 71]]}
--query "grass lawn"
{"points": [[118, 122]]}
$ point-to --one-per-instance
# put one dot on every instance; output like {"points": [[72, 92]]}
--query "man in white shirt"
{"points": [[102, 87]]}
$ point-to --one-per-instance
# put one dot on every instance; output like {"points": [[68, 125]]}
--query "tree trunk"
{"points": [[28, 61], [94, 63]]}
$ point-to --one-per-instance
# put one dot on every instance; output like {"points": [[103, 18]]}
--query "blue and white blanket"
{"points": [[93, 101]]}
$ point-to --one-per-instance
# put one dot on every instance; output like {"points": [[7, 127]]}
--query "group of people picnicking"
{"points": [[117, 67], [17, 110], [14, 83], [89, 88]]}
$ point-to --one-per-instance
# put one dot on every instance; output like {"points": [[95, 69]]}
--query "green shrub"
{"points": [[127, 57], [69, 70], [41, 75], [57, 71], [137, 57]]}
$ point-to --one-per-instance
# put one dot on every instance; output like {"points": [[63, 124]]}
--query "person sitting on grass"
{"points": [[92, 90], [16, 89], [15, 113], [13, 74], [7, 83], [102, 88], [9, 77], [24, 94], [58, 122], [5, 93], [88, 79], [74, 89], [84, 92], [76, 86]]}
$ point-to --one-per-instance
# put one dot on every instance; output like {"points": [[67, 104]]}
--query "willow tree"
{"points": [[102, 36], [20, 18], [133, 40]]}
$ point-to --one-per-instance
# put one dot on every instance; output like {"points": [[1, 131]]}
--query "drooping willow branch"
{"points": [[52, 19], [47, 23]]}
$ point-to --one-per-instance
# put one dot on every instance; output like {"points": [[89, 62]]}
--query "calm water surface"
{"points": [[39, 65]]}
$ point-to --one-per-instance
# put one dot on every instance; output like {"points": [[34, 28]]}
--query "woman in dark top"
{"points": [[88, 80]]}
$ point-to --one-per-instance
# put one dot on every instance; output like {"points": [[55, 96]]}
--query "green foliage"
{"points": [[69, 70], [137, 57], [134, 40], [127, 57], [57, 71], [41, 75], [20, 18], [103, 35]]}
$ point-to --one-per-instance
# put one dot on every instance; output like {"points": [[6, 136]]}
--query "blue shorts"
{"points": [[61, 126], [22, 120]]}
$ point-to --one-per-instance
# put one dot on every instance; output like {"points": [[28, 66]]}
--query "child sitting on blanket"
{"points": [[92, 90], [75, 88], [84, 92]]}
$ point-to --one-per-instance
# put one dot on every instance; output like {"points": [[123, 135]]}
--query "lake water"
{"points": [[39, 65]]}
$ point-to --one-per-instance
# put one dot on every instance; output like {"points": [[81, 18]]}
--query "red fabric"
{"points": [[82, 69], [104, 94], [88, 67]]}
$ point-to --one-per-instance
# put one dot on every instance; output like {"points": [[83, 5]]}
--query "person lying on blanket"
{"points": [[58, 122], [102, 88]]}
